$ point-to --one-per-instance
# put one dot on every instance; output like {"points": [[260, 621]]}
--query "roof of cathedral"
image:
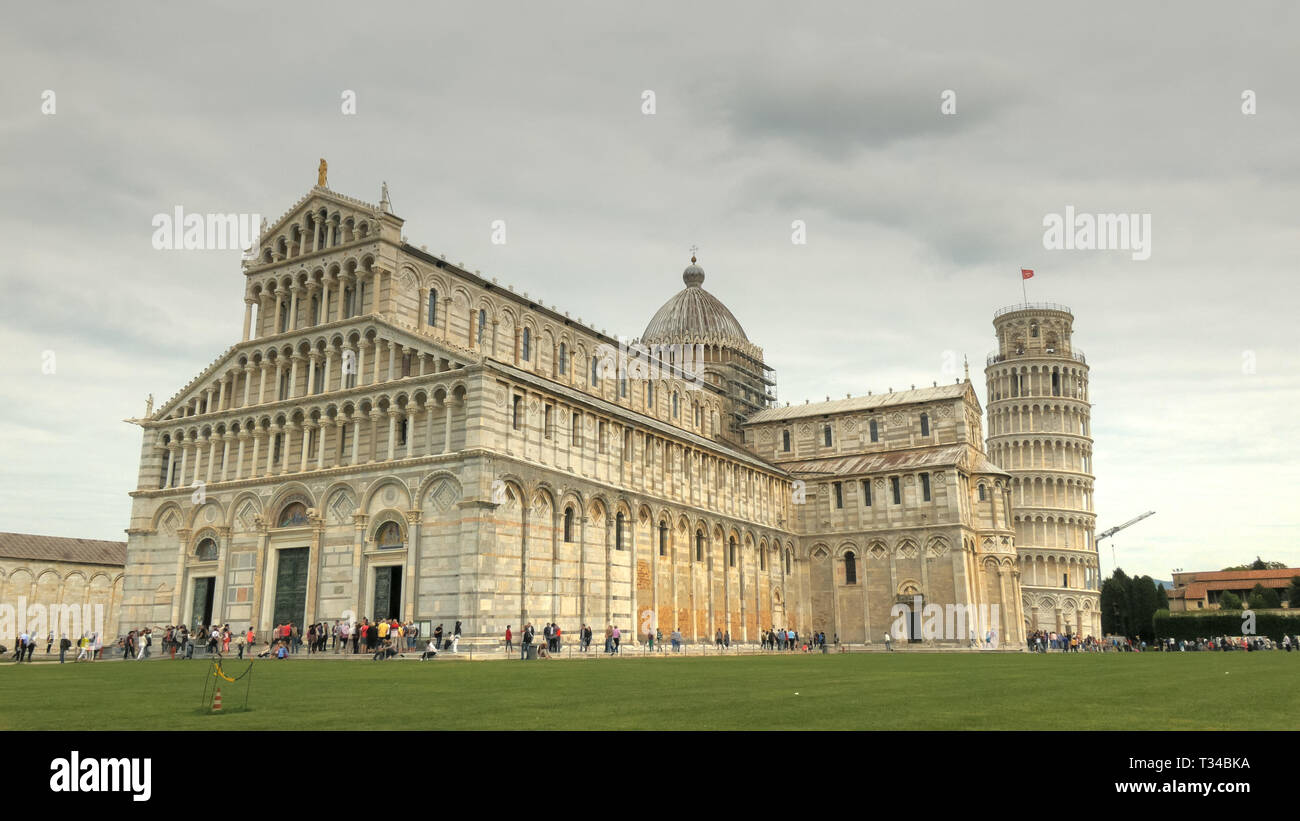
{"points": [[858, 403], [693, 314], [616, 411], [910, 459], [59, 549]]}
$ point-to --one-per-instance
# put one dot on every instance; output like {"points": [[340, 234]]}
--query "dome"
{"points": [[693, 314]]}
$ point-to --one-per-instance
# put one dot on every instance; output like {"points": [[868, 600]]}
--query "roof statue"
{"points": [[321, 172]]}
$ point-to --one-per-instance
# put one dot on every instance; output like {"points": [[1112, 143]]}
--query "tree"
{"points": [[1115, 604], [1263, 598], [1143, 603], [1293, 593], [1162, 597], [1229, 601]]}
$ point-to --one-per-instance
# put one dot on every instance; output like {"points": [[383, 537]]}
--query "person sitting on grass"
{"points": [[430, 650], [265, 652], [282, 652], [385, 652]]}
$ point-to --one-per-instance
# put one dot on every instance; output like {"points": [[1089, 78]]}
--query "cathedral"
{"points": [[397, 436]]}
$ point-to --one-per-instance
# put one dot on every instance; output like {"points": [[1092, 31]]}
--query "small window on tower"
{"points": [[925, 424], [875, 431], [785, 441], [839, 494], [826, 435]]}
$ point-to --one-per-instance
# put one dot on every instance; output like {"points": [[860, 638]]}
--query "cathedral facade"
{"points": [[396, 436]]}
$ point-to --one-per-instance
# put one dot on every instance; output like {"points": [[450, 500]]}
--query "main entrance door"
{"points": [[388, 592], [291, 586], [201, 615]]}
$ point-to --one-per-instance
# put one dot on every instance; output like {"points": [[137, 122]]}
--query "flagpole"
{"points": [[1023, 293]]}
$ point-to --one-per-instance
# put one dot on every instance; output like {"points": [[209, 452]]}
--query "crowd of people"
{"points": [[1041, 641]]}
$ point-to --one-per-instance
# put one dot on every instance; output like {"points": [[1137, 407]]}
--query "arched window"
{"points": [[293, 514], [699, 545], [826, 435], [618, 531], [785, 441], [207, 551], [982, 496], [925, 424], [674, 405], [787, 561], [564, 359], [568, 524], [731, 551], [527, 347], [315, 310], [482, 327], [649, 395], [433, 308], [850, 568], [762, 560], [389, 535], [595, 371], [875, 431], [663, 538]]}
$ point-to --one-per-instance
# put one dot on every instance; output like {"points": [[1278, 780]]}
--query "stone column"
{"points": [[392, 432], [257, 444], [212, 456], [171, 464], [271, 433], [293, 307], [356, 436], [329, 369], [239, 458], [307, 426], [293, 377], [323, 428], [447, 406], [225, 453], [392, 352], [375, 415], [248, 316], [411, 565], [409, 421]]}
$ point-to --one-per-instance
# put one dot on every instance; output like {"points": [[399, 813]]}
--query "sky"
{"points": [[920, 148]]}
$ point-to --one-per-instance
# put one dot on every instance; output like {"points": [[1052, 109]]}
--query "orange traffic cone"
{"points": [[216, 701]]}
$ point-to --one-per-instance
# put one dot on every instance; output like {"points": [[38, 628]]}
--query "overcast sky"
{"points": [[917, 222]]}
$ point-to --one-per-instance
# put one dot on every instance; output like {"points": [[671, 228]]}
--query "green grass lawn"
{"points": [[897, 691]]}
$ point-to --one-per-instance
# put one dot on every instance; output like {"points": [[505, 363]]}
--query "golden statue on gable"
{"points": [[321, 172]]}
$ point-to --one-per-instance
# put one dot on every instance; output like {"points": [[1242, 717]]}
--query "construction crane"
{"points": [[1106, 534]]}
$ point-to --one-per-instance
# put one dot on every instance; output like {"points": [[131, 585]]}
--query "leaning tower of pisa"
{"points": [[1040, 432]]}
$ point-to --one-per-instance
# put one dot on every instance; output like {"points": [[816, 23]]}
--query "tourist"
{"points": [[557, 634], [726, 640], [889, 642], [49, 642], [265, 652], [676, 638], [430, 651], [609, 639], [524, 643], [650, 639], [659, 639], [226, 636], [437, 634], [83, 648], [510, 645], [617, 635], [64, 644]]}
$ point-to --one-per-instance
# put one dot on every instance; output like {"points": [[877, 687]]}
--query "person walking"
{"points": [[889, 645], [676, 638], [64, 644], [455, 638], [510, 646], [618, 635]]}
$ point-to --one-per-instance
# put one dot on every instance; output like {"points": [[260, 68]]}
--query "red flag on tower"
{"points": [[1026, 273]]}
